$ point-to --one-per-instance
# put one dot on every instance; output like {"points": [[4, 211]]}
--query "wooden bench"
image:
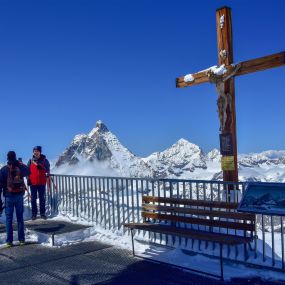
{"points": [[211, 221]]}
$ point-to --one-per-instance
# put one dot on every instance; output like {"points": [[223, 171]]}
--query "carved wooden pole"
{"points": [[226, 100]]}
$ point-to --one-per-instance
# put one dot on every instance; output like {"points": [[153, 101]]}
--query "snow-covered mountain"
{"points": [[181, 158], [101, 153]]}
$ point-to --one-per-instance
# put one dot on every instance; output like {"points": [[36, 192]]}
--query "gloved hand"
{"points": [[39, 166]]}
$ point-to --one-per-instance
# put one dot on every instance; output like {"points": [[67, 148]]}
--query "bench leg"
{"points": [[221, 261], [133, 242]]}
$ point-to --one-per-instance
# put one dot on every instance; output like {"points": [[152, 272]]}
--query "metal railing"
{"points": [[112, 201]]}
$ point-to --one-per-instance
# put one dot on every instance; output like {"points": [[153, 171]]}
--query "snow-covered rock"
{"points": [[100, 153], [181, 158]]}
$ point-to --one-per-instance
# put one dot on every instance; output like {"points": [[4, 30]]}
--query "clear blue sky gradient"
{"points": [[66, 64]]}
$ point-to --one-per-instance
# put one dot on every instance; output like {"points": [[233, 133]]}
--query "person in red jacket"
{"points": [[40, 169]]}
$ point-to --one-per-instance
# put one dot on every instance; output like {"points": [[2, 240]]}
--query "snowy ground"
{"points": [[143, 248], [174, 255]]}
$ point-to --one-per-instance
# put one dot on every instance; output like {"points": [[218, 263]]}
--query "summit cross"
{"points": [[223, 77]]}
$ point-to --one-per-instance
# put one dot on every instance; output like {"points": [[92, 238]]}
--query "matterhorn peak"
{"points": [[100, 128]]}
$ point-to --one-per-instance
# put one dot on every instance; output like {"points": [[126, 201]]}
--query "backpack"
{"points": [[15, 180]]}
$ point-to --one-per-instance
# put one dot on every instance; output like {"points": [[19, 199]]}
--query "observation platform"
{"points": [[91, 262]]}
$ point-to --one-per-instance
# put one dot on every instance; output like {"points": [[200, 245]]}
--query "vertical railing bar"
{"points": [[104, 202], [54, 205], [272, 240], [77, 196], [164, 195], [64, 185], [152, 188], [72, 197], [138, 200], [128, 201], [263, 238], [109, 204], [96, 201], [113, 202], [52, 194], [178, 196], [85, 194], [282, 241], [205, 198], [92, 198], [228, 187], [100, 212], [133, 198], [88, 197], [69, 194], [61, 183], [51, 202], [184, 197], [159, 195], [80, 195], [123, 202], [118, 204], [47, 194]]}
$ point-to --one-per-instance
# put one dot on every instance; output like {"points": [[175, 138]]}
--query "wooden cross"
{"points": [[223, 77]]}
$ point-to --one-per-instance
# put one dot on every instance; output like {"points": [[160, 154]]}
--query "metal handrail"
{"points": [[112, 201]]}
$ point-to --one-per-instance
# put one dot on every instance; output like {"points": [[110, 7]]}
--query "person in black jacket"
{"points": [[13, 187]]}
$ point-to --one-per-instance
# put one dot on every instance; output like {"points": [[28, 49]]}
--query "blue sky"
{"points": [[65, 64]]}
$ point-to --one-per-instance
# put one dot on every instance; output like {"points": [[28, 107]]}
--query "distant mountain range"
{"points": [[101, 153]]}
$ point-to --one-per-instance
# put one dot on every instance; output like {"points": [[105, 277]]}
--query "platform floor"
{"points": [[53, 226], [91, 263], [48, 226]]}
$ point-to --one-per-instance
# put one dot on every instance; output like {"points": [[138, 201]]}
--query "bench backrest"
{"points": [[210, 214]]}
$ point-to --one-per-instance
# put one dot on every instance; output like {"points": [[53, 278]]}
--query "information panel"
{"points": [[228, 163], [264, 198], [226, 144]]}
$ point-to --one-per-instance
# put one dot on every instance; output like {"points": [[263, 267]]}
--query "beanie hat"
{"points": [[38, 147], [11, 155]]}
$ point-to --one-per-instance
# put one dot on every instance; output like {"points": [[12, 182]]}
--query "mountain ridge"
{"points": [[184, 160]]}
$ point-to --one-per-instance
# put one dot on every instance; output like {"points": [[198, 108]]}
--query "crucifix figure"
{"points": [[223, 77]]}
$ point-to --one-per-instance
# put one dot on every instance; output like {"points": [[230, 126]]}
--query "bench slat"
{"points": [[202, 203], [189, 233], [199, 221], [193, 211]]}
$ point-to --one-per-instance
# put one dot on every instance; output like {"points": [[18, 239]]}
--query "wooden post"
{"points": [[225, 56]]}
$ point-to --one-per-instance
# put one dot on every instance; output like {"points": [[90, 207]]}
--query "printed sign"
{"points": [[264, 198], [228, 163], [226, 144]]}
